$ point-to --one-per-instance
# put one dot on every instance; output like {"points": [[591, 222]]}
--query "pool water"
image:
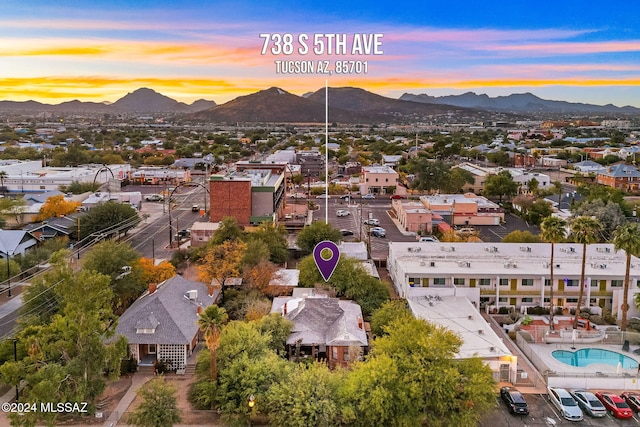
{"points": [[587, 356]]}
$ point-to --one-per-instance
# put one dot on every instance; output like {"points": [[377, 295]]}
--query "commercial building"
{"points": [[251, 194], [378, 180], [514, 274]]}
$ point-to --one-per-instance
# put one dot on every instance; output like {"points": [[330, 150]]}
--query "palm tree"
{"points": [[553, 231], [210, 322], [627, 238], [585, 230]]}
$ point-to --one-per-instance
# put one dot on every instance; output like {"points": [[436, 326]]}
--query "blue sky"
{"points": [[90, 50]]}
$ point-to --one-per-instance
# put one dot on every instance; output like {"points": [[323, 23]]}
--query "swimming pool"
{"points": [[587, 356]]}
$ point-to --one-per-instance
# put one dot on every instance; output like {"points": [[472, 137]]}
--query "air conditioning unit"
{"points": [[546, 264], [603, 250], [603, 265], [572, 249], [525, 248], [432, 264]]}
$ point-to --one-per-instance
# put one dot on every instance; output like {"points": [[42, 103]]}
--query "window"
{"points": [[616, 283], [376, 179], [527, 299], [503, 299], [527, 282], [386, 180], [547, 282], [345, 354], [439, 281], [547, 300], [572, 300], [414, 281], [572, 282], [334, 353], [485, 282], [504, 282], [458, 281]]}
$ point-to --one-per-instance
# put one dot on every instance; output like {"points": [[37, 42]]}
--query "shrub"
{"points": [[503, 310]]}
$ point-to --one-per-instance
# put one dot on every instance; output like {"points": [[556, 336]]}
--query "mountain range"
{"points": [[346, 105], [143, 100], [518, 103]]}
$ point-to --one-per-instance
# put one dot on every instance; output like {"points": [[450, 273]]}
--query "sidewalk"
{"points": [[137, 381]]}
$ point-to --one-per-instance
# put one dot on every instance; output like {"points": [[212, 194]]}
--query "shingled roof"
{"points": [[170, 312]]}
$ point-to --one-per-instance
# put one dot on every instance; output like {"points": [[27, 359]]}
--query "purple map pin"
{"points": [[326, 266]]}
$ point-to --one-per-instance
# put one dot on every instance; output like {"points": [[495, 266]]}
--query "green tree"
{"points": [[211, 322], [228, 230], [520, 236], [307, 397], [534, 186], [278, 329], [275, 237], [609, 214], [257, 251], [627, 238], [584, 230], [411, 377], [553, 230], [310, 236], [109, 218], [120, 262], [539, 210], [389, 312], [158, 406], [458, 177], [501, 185]]}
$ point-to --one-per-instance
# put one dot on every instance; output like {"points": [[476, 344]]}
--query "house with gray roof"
{"points": [[163, 323], [14, 242], [324, 328], [621, 176]]}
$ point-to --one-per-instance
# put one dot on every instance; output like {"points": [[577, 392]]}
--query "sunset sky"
{"points": [[578, 51]]}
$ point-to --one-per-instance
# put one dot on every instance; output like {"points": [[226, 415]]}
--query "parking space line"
{"points": [[553, 408]]}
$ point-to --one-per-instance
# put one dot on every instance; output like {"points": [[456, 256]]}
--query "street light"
{"points": [[251, 403], [8, 275], [15, 358]]}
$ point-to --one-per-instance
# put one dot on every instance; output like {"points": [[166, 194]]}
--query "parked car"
{"points": [[616, 405], [397, 196], [589, 403], [378, 232], [323, 196], [368, 196], [465, 230], [343, 212], [632, 399], [372, 221], [514, 400], [184, 233], [346, 232], [195, 208], [428, 239], [567, 405], [154, 197], [345, 197]]}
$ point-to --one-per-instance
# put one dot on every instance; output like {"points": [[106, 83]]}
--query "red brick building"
{"points": [[230, 197]]}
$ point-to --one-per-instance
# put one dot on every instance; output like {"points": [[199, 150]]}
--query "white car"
{"points": [[565, 403], [323, 196], [589, 403], [343, 212], [369, 196], [428, 239], [372, 221]]}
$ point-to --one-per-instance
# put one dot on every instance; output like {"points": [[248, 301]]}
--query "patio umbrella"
{"points": [[619, 368]]}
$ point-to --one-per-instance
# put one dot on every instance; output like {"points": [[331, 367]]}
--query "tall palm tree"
{"points": [[554, 230], [210, 322], [627, 238], [585, 230]]}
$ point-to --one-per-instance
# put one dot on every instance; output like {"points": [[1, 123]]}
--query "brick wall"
{"points": [[230, 198]]}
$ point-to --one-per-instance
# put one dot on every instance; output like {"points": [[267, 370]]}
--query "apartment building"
{"points": [[516, 275]]}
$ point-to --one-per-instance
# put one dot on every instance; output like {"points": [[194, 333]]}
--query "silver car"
{"points": [[565, 403], [589, 403]]}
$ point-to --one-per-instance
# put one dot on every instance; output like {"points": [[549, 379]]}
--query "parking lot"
{"points": [[354, 222], [543, 413]]}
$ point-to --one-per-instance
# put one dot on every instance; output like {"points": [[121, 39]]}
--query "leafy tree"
{"points": [[108, 218], [211, 322], [627, 238], [501, 185], [257, 252], [222, 261], [389, 312], [120, 262], [609, 214], [539, 210], [411, 378], [500, 158], [458, 177], [77, 187], [275, 237], [307, 397], [317, 232], [534, 186], [67, 356], [584, 230], [349, 280], [554, 230], [521, 236], [158, 406], [56, 206], [12, 208], [228, 230], [152, 273], [278, 329]]}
